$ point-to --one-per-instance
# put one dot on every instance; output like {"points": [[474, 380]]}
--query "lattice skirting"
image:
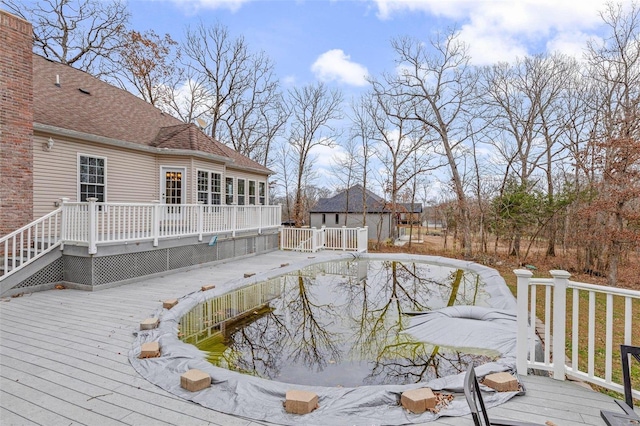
{"points": [[93, 272], [52, 273]]}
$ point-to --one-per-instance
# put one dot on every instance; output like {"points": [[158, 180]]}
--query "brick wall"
{"points": [[16, 123]]}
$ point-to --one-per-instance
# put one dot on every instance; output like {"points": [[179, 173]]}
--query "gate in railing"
{"points": [[313, 239], [602, 318]]}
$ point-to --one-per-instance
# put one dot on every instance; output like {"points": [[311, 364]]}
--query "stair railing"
{"points": [[23, 246]]}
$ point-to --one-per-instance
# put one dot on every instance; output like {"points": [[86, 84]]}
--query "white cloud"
{"points": [[501, 30], [289, 80], [195, 5], [325, 155], [335, 65], [569, 43]]}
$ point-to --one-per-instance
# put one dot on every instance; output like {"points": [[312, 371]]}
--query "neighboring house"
{"points": [[346, 209], [68, 134]]}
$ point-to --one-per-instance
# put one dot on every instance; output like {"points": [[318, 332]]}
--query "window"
{"points": [[229, 190], [91, 175], [252, 192], [324, 218], [241, 192], [209, 187], [261, 193], [337, 218]]}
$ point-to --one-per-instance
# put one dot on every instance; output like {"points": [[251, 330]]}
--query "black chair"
{"points": [[629, 417], [625, 351], [476, 404]]}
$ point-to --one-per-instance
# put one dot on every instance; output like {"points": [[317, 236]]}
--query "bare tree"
{"points": [[147, 64], [361, 133], [615, 69], [80, 33], [437, 82], [243, 102], [525, 101], [313, 108], [402, 143]]}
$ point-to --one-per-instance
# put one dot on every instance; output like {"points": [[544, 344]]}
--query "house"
{"points": [[347, 209], [91, 139], [65, 134]]}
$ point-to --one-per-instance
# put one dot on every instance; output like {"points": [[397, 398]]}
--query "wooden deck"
{"points": [[63, 360]]}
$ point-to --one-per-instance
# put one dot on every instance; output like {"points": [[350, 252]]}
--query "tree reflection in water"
{"points": [[339, 323]]}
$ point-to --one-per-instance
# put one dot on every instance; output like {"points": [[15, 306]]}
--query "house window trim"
{"points": [[79, 183], [251, 199], [210, 192], [185, 196], [262, 193], [244, 192], [226, 194]]}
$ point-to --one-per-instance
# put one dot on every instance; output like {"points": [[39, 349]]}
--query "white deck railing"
{"points": [[30, 242], [552, 292], [313, 239], [92, 223]]}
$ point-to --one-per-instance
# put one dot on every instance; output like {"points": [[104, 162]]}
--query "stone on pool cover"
{"points": [[149, 324], [300, 402], [169, 303], [195, 380], [418, 400], [502, 382], [150, 350]]}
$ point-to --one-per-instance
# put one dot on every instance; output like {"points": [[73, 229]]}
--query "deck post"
{"points": [[260, 219], [200, 219], [64, 226], [344, 238], [522, 319], [234, 220], [92, 224], [314, 234], [155, 222], [560, 281]]}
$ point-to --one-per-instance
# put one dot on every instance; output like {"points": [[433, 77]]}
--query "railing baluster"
{"points": [[608, 338], [592, 333], [627, 320], [575, 332], [532, 328], [547, 324]]}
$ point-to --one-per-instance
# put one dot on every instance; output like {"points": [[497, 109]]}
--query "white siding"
{"points": [[130, 175]]}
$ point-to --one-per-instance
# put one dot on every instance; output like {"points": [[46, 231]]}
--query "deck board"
{"points": [[63, 360]]}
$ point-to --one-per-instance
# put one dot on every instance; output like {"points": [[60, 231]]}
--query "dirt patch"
{"points": [[537, 261]]}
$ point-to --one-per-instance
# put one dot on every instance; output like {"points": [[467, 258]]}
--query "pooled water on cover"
{"points": [[336, 324]]}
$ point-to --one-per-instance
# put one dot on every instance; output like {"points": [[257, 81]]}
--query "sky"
{"points": [[341, 42]]}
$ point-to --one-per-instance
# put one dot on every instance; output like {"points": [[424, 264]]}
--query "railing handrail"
{"points": [[557, 328], [30, 225], [616, 291], [45, 235]]}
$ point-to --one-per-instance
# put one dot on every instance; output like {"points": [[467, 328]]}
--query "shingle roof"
{"points": [[375, 204], [83, 103], [338, 203]]}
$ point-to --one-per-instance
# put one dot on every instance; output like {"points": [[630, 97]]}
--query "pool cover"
{"points": [[491, 328]]}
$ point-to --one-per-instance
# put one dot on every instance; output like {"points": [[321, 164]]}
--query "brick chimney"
{"points": [[16, 123]]}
